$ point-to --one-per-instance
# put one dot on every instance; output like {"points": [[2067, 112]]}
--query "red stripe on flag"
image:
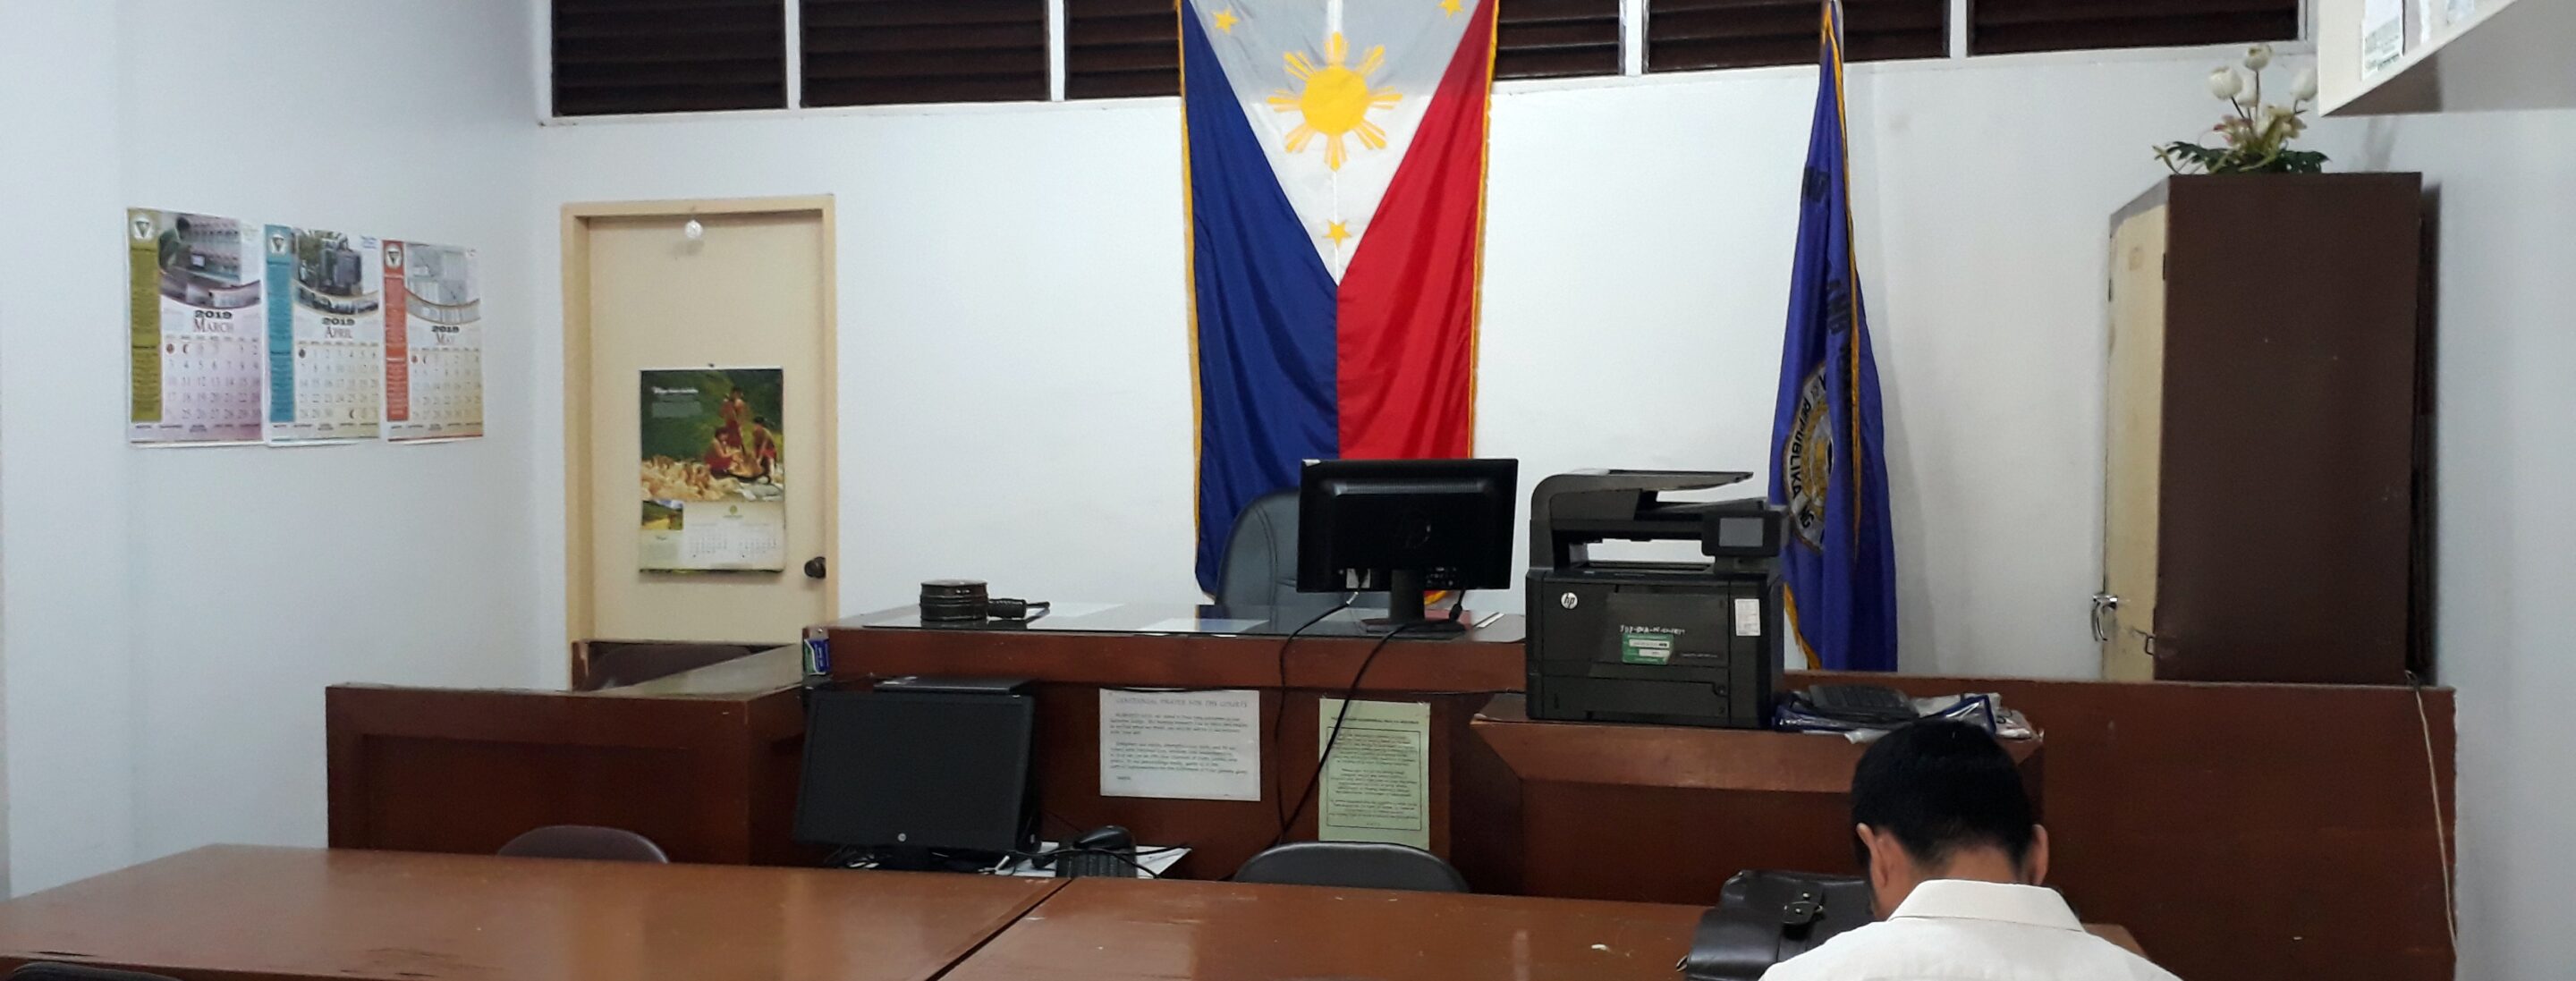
{"points": [[1406, 322]]}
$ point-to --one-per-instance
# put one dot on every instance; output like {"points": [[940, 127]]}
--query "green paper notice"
{"points": [[1377, 779]]}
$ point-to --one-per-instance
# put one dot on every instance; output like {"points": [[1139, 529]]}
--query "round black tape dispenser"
{"points": [[965, 602]]}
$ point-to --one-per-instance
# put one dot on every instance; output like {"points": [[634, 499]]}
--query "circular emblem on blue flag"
{"points": [[1807, 460]]}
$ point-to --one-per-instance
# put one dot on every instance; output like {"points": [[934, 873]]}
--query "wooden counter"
{"points": [[1656, 812], [2173, 808], [703, 763], [1073, 659]]}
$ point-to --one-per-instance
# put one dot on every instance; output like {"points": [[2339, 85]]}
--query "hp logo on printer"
{"points": [[1567, 601]]}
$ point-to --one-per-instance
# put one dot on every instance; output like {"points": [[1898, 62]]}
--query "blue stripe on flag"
{"points": [[1264, 312]]}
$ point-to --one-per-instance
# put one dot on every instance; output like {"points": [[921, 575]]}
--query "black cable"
{"points": [[1278, 720], [1340, 716]]}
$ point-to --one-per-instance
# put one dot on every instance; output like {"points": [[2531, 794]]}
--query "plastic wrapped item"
{"points": [[1983, 709]]}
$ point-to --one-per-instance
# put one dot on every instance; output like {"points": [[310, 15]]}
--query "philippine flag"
{"points": [[1336, 201]]}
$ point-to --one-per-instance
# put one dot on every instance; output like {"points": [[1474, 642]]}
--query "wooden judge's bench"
{"points": [[2173, 809]]}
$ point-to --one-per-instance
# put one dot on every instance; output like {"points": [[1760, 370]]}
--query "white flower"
{"points": [[2226, 84], [2258, 57], [2306, 87]]}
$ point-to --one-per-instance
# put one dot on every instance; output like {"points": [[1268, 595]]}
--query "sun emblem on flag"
{"points": [[1336, 101]]}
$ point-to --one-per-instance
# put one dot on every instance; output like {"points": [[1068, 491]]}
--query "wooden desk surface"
{"points": [[1103, 929], [1112, 648], [247, 914]]}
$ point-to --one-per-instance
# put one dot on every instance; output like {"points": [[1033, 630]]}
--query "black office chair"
{"points": [[1354, 865], [584, 842], [1260, 567], [58, 971]]}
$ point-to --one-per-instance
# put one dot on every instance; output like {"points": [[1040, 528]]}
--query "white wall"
{"points": [[173, 615], [1018, 272], [2505, 463], [65, 645]]}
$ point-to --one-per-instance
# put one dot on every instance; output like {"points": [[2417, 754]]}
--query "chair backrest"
{"points": [[584, 841], [59, 971], [1352, 864], [1260, 568]]}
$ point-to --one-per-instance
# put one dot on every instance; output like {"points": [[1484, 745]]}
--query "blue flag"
{"points": [[1828, 468]]}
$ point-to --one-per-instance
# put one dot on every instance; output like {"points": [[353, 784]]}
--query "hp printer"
{"points": [[1679, 643]]}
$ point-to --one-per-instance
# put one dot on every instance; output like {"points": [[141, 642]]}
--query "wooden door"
{"points": [[753, 290], [2133, 445]]}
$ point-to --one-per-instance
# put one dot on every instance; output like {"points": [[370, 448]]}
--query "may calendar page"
{"points": [[433, 343], [714, 480], [326, 337], [195, 327]]}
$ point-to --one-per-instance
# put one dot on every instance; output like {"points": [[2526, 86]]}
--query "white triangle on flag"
{"points": [[1349, 107]]}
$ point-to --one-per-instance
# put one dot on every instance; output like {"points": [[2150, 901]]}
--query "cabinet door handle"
{"points": [[2106, 608]]}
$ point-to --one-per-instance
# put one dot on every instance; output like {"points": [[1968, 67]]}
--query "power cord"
{"points": [[2441, 833], [1279, 719], [1340, 716]]}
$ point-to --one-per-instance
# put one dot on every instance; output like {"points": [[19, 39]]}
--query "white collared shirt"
{"points": [[1956, 930]]}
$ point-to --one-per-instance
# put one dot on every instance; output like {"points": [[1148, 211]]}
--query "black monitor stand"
{"points": [[1404, 610]]}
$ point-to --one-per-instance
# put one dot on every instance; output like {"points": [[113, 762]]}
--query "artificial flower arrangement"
{"points": [[2257, 136]]}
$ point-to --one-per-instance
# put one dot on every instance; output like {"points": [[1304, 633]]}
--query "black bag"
{"points": [[1763, 918]]}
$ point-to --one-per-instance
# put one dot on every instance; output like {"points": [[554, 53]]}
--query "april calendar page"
{"points": [[326, 330]]}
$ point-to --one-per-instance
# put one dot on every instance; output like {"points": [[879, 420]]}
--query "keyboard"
{"points": [[1080, 864], [1867, 704]]}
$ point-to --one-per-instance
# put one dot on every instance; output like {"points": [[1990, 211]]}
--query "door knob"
{"points": [[814, 568]]}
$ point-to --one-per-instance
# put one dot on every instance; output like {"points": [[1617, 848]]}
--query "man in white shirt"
{"points": [[1955, 863]]}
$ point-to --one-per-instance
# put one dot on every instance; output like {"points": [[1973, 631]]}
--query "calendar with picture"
{"points": [[714, 478]]}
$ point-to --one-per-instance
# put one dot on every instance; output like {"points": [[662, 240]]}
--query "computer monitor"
{"points": [[916, 776], [1406, 526]]}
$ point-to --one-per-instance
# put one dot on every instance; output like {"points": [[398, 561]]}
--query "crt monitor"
{"points": [[917, 776], [1406, 526]]}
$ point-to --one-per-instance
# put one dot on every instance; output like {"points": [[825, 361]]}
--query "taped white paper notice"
{"points": [[1377, 779], [1197, 745], [2383, 34], [1748, 617]]}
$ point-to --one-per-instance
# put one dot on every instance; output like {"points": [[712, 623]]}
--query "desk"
{"points": [[1665, 813], [703, 762], [2314, 797], [2144, 783], [1116, 930], [283, 914], [273, 914], [1072, 657]]}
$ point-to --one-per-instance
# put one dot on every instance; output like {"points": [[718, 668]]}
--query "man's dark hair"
{"points": [[1939, 787]]}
